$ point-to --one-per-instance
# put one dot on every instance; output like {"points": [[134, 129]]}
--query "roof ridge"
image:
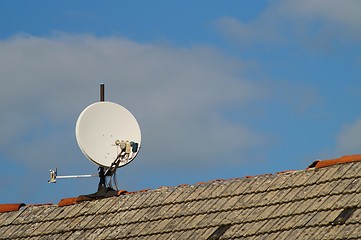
{"points": [[322, 202], [315, 165], [11, 207], [330, 162]]}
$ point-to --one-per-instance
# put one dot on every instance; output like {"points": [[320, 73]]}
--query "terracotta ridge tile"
{"points": [[74, 200], [331, 162], [11, 207], [67, 201]]}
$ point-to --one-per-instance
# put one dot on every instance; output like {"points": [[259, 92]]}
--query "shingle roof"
{"points": [[316, 203]]}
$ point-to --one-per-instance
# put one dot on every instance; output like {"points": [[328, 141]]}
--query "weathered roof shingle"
{"points": [[317, 203]]}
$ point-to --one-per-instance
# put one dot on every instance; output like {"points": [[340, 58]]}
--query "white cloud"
{"points": [[189, 103], [349, 138], [260, 30], [177, 94], [290, 20], [345, 13]]}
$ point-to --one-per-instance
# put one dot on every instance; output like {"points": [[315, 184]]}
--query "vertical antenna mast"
{"points": [[102, 92], [102, 185]]}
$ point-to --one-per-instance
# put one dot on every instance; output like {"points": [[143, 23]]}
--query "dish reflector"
{"points": [[101, 129]]}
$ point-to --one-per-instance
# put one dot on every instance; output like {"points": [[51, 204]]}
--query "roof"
{"points": [[317, 203]]}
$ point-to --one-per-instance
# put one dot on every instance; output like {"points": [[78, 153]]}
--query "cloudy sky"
{"points": [[220, 90]]}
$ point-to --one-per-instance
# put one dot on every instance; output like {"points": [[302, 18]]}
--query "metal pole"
{"points": [[54, 176], [101, 185], [102, 92], [79, 176]]}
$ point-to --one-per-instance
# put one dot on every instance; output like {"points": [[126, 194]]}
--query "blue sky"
{"points": [[220, 90]]}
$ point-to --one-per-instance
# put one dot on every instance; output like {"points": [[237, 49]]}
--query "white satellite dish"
{"points": [[109, 136], [107, 132]]}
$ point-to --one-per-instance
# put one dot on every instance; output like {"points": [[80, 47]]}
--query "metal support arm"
{"points": [[54, 176]]}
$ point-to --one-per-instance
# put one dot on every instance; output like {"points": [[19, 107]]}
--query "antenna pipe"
{"points": [[79, 176], [101, 169], [102, 92]]}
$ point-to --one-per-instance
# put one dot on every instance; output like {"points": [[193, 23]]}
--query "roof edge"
{"points": [[75, 200]]}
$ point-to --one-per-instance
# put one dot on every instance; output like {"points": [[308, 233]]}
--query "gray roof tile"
{"points": [[273, 236], [278, 182], [220, 204], [191, 234], [227, 235], [144, 200], [138, 228], [195, 221], [231, 187], [268, 210], [240, 230], [257, 183], [179, 194], [162, 195], [296, 233], [254, 228], [354, 171], [232, 202], [115, 232], [319, 218], [61, 236], [104, 232], [171, 210], [341, 170], [354, 185], [278, 235], [317, 175], [291, 205], [168, 235], [197, 191], [355, 232], [333, 232], [279, 196], [346, 232], [143, 214], [290, 222], [189, 208], [124, 203], [355, 216], [65, 212], [321, 231]]}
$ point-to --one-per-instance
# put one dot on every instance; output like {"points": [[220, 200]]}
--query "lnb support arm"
{"points": [[54, 176]]}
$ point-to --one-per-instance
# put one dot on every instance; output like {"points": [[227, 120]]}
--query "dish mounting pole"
{"points": [[102, 189]]}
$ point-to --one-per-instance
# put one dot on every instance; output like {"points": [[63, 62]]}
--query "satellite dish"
{"points": [[108, 134]]}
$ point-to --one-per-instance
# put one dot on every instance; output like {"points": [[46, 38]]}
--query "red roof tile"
{"points": [[11, 207], [70, 201], [330, 162]]}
